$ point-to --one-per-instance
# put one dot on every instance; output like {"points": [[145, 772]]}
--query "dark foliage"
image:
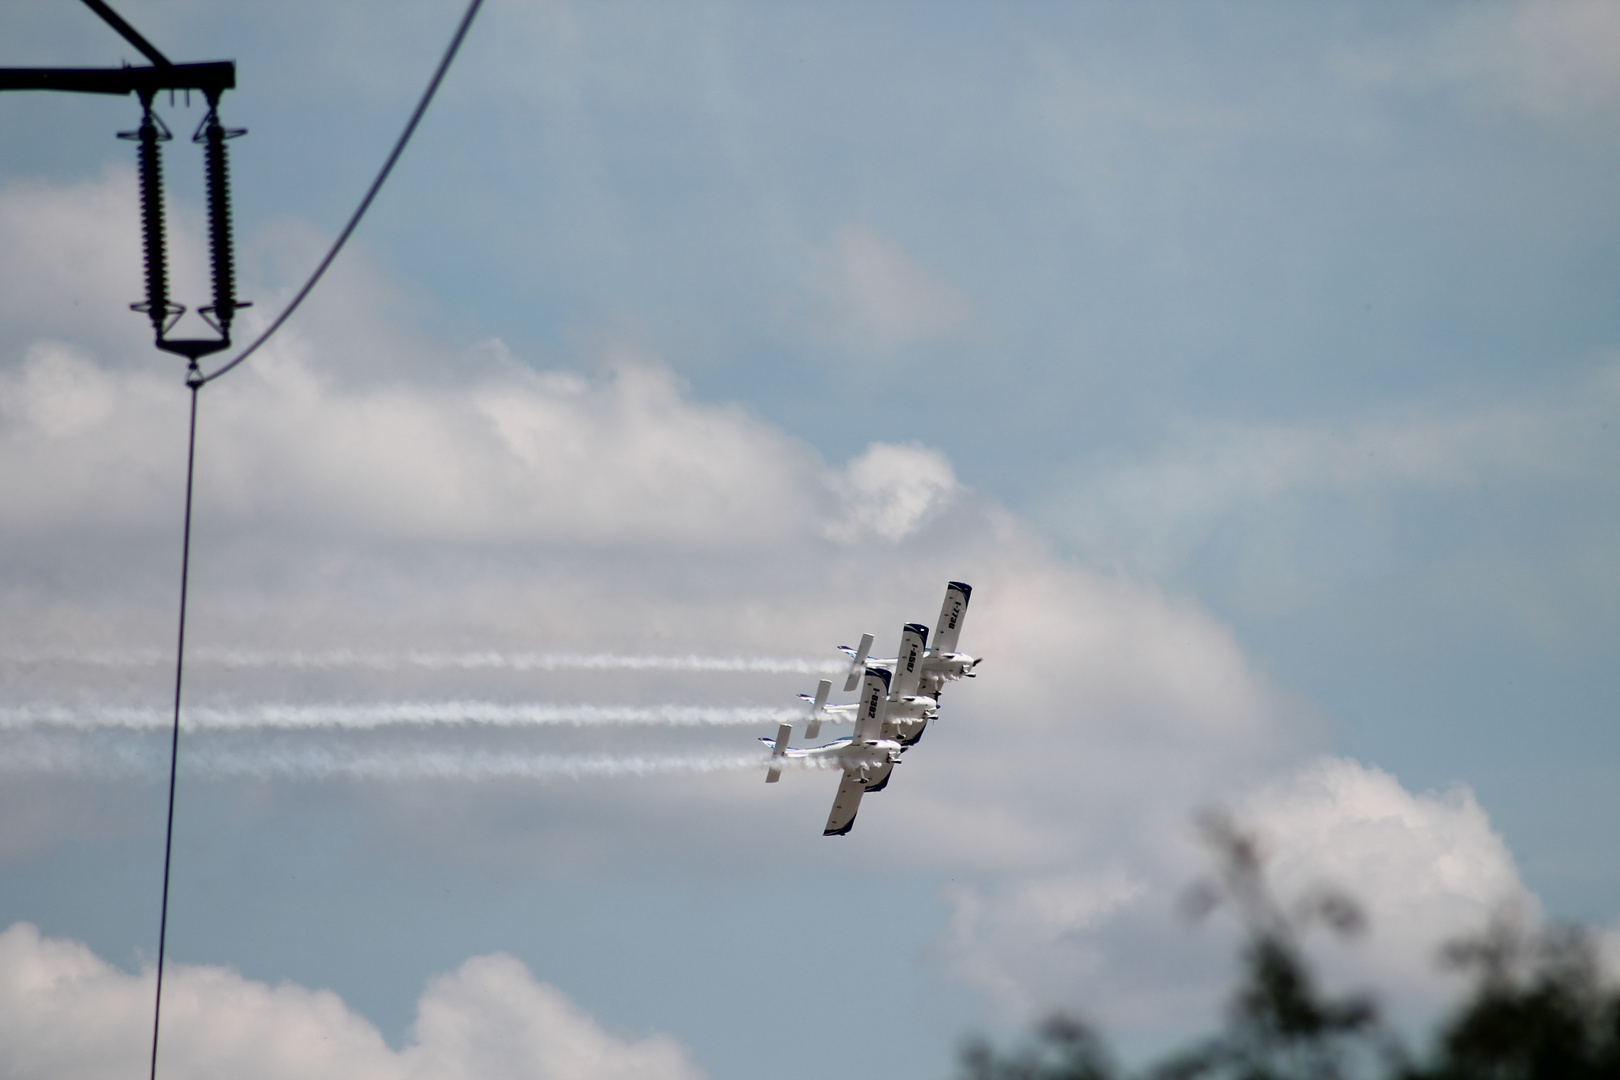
{"points": [[1279, 1026], [1066, 1049], [1539, 1009]]}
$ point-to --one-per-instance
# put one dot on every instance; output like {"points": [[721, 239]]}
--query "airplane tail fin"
{"points": [[857, 664], [818, 708], [783, 734], [951, 615]]}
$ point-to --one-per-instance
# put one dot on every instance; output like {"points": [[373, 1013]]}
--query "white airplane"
{"points": [[906, 709], [936, 666], [867, 757]]}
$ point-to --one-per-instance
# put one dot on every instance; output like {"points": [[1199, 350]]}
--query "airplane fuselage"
{"points": [[868, 754], [911, 707], [934, 669]]}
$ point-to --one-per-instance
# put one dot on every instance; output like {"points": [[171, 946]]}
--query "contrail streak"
{"points": [[349, 659], [54, 755], [459, 765], [389, 714]]}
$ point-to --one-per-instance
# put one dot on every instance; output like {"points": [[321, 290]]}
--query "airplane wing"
{"points": [[868, 728], [951, 614], [908, 661], [905, 732], [872, 710], [878, 779], [845, 803]]}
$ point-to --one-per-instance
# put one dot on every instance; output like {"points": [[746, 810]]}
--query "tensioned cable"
{"points": [[196, 380], [174, 738], [365, 203]]}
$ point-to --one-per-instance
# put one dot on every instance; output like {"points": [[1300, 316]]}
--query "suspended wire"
{"points": [[376, 185], [196, 380], [174, 738]]}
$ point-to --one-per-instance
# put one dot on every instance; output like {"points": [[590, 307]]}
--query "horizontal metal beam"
{"points": [[211, 78]]}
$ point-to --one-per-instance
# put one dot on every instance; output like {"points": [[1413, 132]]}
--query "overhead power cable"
{"points": [[365, 203], [174, 734]]}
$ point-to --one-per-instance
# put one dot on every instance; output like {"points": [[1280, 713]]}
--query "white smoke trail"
{"points": [[460, 765], [387, 714], [44, 753], [38, 753], [349, 659]]}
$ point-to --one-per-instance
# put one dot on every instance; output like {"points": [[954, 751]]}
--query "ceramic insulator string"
{"points": [[150, 157], [213, 138]]}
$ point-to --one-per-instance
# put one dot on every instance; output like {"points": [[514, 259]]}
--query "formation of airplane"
{"points": [[899, 696]]}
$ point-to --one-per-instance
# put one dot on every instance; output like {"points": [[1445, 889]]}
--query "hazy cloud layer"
{"points": [[1555, 61], [556, 511], [1322, 504], [879, 298]]}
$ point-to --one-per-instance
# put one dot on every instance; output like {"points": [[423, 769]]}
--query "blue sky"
{"points": [[1256, 362]]}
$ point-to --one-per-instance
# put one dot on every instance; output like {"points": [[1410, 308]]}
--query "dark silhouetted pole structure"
{"points": [[211, 80]]}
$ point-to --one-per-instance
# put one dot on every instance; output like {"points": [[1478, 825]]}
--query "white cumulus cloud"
{"points": [[1425, 868], [891, 490], [66, 1014]]}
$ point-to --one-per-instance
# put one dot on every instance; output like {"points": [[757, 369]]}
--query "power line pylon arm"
{"points": [[211, 79]]}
